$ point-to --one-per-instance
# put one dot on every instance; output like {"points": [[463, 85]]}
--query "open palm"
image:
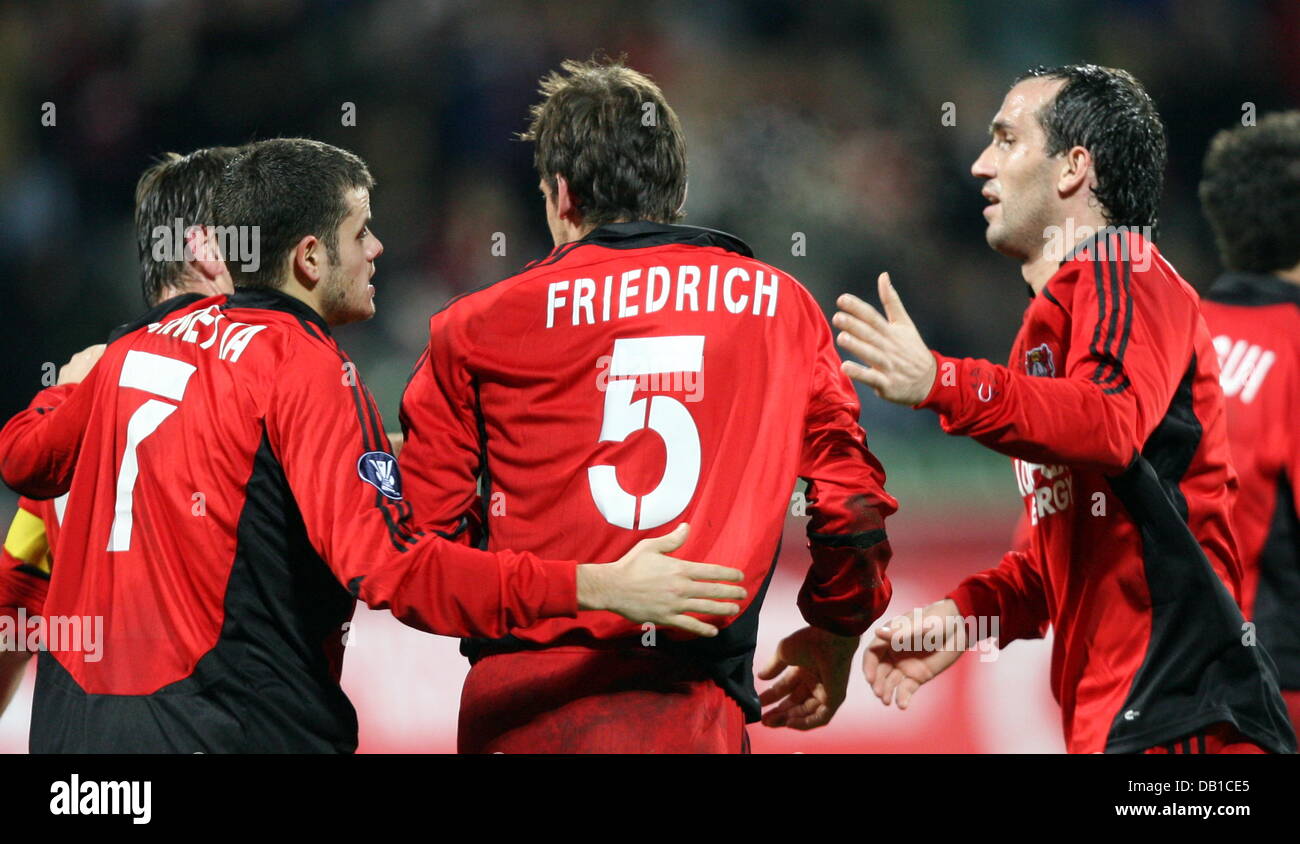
{"points": [[904, 656]]}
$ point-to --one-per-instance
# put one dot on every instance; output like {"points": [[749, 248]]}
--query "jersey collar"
{"points": [[1125, 232], [156, 313], [1253, 289], [275, 300], [642, 234]]}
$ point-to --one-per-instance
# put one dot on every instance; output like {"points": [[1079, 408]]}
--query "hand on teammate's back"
{"points": [[79, 366], [902, 658], [646, 585], [816, 666], [899, 367]]}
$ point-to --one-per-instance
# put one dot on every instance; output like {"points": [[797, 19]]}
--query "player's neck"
{"points": [[570, 233], [1043, 264], [1038, 270], [310, 298]]}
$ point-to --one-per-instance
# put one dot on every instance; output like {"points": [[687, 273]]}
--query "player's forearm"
{"points": [[1010, 596], [21, 587], [846, 588], [444, 588], [1042, 420]]}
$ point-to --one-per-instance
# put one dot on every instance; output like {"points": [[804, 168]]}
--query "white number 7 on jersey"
{"points": [[666, 416], [163, 377]]}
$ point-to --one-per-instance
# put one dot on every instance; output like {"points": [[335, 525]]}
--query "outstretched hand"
{"points": [[905, 655], [816, 666], [899, 366]]}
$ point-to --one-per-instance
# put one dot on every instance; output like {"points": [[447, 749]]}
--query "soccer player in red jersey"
{"points": [[233, 495], [1111, 408], [27, 557], [1250, 192], [175, 188], [643, 371]]}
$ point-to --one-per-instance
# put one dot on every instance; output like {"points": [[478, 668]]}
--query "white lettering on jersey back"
{"points": [[658, 288], [206, 327], [1242, 367]]}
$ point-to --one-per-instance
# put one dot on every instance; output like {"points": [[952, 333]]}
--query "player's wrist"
{"points": [[932, 396], [593, 586], [838, 641]]}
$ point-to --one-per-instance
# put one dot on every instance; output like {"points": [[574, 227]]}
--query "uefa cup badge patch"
{"points": [[379, 469], [1039, 362]]}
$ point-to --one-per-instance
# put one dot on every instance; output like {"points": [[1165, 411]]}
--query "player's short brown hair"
{"points": [[288, 188], [175, 187], [1250, 191], [608, 130]]}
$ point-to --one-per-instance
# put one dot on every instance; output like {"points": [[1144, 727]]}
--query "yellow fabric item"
{"points": [[26, 540]]}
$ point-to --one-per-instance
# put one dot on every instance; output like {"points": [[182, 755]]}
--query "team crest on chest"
{"points": [[1039, 361]]}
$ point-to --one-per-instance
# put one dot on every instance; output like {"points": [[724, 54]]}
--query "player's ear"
{"points": [[566, 205], [309, 261], [1075, 172], [201, 243]]}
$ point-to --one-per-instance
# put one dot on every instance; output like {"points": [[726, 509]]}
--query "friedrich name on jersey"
{"points": [[583, 301]]}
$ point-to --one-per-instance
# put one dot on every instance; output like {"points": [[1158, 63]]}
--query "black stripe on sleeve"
{"points": [[1120, 277], [376, 440], [400, 508], [395, 536], [1112, 263], [1095, 347], [866, 539], [484, 470], [1128, 315], [1111, 353], [401, 505]]}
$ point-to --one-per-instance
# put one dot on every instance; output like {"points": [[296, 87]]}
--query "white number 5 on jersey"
{"points": [[664, 415]]}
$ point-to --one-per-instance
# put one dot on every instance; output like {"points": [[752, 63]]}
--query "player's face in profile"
{"points": [[348, 295], [1019, 174]]}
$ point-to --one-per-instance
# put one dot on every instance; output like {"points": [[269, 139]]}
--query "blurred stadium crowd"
{"points": [[824, 119]]}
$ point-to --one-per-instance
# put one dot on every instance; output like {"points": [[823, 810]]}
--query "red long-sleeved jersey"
{"points": [[25, 559], [643, 376], [28, 555], [1255, 321], [233, 495], [1112, 411]]}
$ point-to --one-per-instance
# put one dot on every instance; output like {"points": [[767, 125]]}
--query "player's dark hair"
{"points": [[175, 187], [1250, 192], [608, 130], [289, 188], [1108, 112]]}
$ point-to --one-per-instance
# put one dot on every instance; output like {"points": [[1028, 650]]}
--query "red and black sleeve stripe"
{"points": [[1112, 279]]}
